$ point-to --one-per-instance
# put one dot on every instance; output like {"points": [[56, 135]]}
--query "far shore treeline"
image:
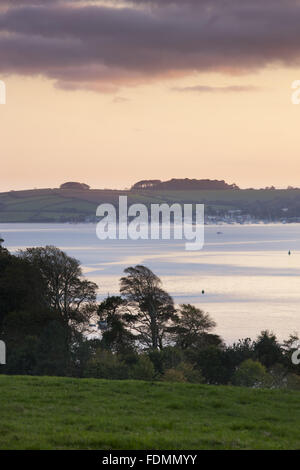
{"points": [[52, 324], [224, 203]]}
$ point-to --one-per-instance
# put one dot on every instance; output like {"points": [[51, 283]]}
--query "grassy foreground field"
{"points": [[66, 413]]}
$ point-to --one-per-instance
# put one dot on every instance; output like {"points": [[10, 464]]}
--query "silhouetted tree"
{"points": [[21, 287], [67, 293], [267, 349], [151, 308], [115, 336], [191, 326]]}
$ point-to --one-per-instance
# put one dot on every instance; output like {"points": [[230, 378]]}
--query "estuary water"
{"points": [[250, 282]]}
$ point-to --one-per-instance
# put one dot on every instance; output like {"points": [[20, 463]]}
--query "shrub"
{"points": [[279, 376], [106, 365], [293, 382], [190, 374], [251, 374], [173, 375], [167, 358], [184, 372], [213, 363], [143, 369]]}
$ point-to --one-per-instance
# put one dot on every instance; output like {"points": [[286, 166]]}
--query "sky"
{"points": [[111, 92]]}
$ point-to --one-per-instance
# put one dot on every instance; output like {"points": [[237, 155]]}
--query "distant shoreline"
{"points": [[242, 206], [221, 224]]}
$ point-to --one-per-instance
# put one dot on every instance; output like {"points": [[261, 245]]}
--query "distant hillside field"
{"points": [[67, 205], [67, 413]]}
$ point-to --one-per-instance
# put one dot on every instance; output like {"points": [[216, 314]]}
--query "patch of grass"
{"points": [[66, 413]]}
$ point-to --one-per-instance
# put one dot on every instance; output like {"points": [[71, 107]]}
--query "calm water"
{"points": [[249, 280]]}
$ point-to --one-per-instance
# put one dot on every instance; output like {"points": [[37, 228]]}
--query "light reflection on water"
{"points": [[250, 281]]}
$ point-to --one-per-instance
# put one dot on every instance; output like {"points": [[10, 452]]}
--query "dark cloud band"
{"points": [[103, 47]]}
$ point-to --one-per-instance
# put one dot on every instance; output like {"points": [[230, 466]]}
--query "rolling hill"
{"points": [[71, 205]]}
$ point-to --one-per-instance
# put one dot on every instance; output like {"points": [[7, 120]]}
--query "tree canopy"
{"points": [[67, 292], [150, 308]]}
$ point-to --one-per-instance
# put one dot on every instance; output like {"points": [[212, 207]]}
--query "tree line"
{"points": [[183, 184], [52, 324]]}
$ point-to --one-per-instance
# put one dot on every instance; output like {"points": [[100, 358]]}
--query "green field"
{"points": [[66, 413], [59, 205]]}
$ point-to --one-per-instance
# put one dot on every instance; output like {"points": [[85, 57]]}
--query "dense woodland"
{"points": [[52, 324], [173, 184], [185, 184]]}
